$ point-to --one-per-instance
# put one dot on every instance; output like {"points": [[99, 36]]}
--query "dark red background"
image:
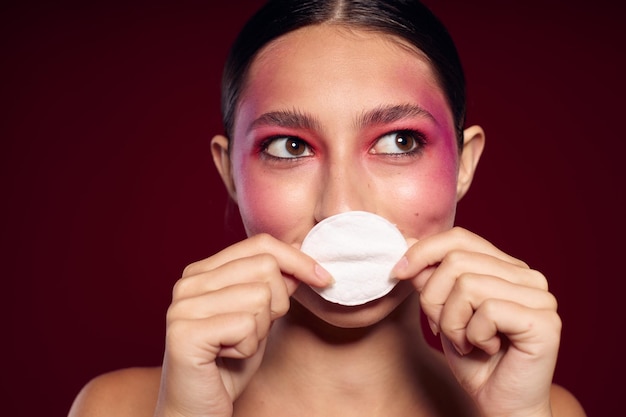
{"points": [[108, 190]]}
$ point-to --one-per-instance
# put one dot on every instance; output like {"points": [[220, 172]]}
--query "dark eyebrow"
{"points": [[389, 114], [296, 119], [286, 118]]}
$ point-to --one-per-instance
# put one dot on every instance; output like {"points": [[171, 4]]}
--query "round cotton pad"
{"points": [[359, 249]]}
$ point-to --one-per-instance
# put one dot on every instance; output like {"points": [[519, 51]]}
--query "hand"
{"points": [[219, 319], [498, 323]]}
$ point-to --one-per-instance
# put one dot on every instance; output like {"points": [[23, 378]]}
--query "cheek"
{"points": [[257, 209], [423, 202], [269, 203]]}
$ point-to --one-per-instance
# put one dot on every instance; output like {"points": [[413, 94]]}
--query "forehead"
{"points": [[341, 65], [331, 36]]}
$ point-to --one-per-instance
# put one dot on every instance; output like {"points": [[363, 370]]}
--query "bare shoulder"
{"points": [[564, 403], [127, 392]]}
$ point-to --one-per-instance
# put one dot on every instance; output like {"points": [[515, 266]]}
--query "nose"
{"points": [[344, 186]]}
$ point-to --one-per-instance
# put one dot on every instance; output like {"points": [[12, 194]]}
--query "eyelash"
{"points": [[419, 142], [265, 144], [418, 137]]}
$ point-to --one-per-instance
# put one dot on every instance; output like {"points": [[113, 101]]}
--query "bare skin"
{"points": [[325, 125], [134, 393]]}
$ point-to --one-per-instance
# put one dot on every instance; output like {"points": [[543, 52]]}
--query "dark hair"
{"points": [[407, 19]]}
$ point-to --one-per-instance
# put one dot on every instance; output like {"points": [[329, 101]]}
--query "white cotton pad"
{"points": [[359, 249]]}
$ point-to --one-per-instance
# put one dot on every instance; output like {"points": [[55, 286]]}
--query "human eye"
{"points": [[286, 147], [401, 142]]}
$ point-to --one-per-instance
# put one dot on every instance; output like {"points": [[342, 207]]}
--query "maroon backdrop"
{"points": [[108, 190]]}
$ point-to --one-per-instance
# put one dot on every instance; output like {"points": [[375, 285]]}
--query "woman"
{"points": [[328, 107]]}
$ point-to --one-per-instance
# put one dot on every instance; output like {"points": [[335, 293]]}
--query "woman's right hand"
{"points": [[219, 320]]}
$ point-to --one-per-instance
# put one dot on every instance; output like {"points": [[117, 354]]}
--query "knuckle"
{"points": [[178, 311], [465, 283], [266, 263], [247, 323], [557, 324], [263, 240], [491, 307], [453, 319], [281, 306], [455, 257], [172, 314], [248, 346], [551, 301], [180, 289], [552, 326], [265, 300], [191, 269], [458, 232], [538, 280], [260, 294]]}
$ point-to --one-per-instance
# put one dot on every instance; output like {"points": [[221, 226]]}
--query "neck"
{"points": [[400, 329], [369, 368]]}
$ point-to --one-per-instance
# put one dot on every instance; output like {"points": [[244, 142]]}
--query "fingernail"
{"points": [[324, 276], [458, 349], [400, 267], [433, 326]]}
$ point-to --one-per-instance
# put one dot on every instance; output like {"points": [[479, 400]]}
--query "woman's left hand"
{"points": [[498, 323]]}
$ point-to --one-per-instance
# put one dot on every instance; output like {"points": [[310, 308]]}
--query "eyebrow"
{"points": [[296, 119], [389, 114], [286, 118]]}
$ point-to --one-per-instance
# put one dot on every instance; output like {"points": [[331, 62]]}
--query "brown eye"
{"points": [[398, 143], [405, 142], [295, 147], [288, 148]]}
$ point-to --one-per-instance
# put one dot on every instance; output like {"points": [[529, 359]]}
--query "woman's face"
{"points": [[332, 120]]}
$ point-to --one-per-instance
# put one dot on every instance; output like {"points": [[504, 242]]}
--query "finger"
{"points": [[255, 298], [469, 294], [257, 268], [432, 250], [435, 285], [458, 262], [532, 332], [291, 260], [200, 341]]}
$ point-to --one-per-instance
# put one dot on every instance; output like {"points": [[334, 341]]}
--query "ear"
{"points": [[473, 145], [221, 158]]}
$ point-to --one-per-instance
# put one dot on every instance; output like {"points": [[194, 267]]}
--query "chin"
{"points": [[306, 302]]}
